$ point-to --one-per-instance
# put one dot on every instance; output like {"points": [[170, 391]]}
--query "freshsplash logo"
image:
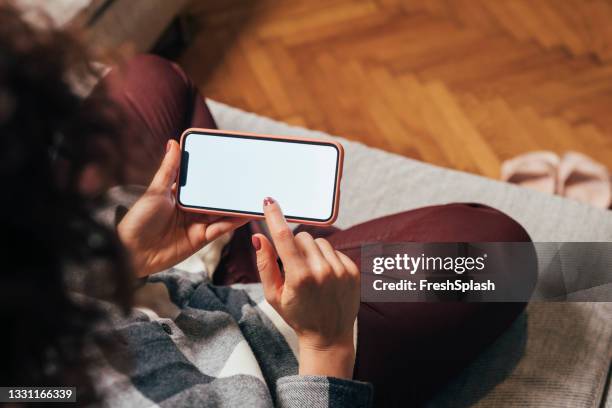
{"points": [[448, 271], [423, 263], [428, 274]]}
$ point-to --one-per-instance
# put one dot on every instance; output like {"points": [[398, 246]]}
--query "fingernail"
{"points": [[256, 242], [168, 146], [268, 201]]}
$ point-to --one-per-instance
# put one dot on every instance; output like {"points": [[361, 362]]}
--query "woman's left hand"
{"points": [[156, 233]]}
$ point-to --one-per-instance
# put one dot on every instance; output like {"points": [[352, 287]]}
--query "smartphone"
{"points": [[230, 173]]}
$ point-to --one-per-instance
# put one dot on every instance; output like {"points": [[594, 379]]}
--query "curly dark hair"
{"points": [[52, 247]]}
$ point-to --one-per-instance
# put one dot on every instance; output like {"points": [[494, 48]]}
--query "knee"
{"points": [[153, 66], [480, 223], [147, 75], [497, 222]]}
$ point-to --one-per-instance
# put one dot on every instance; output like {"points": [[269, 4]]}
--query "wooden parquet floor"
{"points": [[463, 84]]}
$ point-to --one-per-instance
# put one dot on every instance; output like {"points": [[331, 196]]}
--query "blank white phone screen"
{"points": [[234, 173]]}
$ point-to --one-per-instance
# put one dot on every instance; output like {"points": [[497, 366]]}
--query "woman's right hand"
{"points": [[318, 296]]}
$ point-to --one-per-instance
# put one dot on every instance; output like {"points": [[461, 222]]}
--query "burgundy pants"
{"points": [[407, 350]]}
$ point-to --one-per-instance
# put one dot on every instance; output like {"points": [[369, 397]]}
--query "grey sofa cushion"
{"points": [[555, 354]]}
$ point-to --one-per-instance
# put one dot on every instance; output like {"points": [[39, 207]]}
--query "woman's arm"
{"points": [[318, 295], [156, 233]]}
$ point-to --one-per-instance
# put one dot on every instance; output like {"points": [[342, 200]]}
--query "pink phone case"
{"points": [[254, 135]]}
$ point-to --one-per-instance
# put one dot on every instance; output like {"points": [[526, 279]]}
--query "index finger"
{"points": [[282, 236]]}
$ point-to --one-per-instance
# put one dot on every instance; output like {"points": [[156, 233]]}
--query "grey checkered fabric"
{"points": [[226, 348]]}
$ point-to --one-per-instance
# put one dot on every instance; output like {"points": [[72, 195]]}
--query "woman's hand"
{"points": [[318, 296], [157, 234]]}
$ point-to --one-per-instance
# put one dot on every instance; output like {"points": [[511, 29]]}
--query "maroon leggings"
{"points": [[407, 350]]}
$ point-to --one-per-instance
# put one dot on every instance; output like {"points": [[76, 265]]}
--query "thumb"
{"points": [[166, 174], [269, 272]]}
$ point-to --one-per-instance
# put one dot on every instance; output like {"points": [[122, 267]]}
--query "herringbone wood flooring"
{"points": [[464, 84]]}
